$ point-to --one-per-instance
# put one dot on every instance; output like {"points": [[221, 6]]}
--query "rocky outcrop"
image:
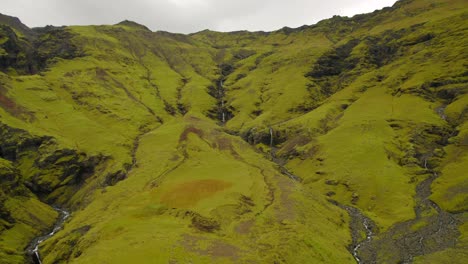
{"points": [[9, 183], [44, 166], [15, 53], [36, 167], [31, 54], [16, 24]]}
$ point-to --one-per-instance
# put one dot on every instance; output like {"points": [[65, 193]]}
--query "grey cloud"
{"points": [[187, 16]]}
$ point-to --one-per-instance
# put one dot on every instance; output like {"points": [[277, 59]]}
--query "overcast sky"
{"points": [[187, 16]]}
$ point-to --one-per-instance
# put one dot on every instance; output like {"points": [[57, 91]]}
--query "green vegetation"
{"points": [[124, 128]]}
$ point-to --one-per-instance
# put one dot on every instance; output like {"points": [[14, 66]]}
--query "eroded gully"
{"points": [[432, 230], [401, 242], [359, 222], [33, 249]]}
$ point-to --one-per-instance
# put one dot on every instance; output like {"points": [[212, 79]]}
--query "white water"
{"points": [[369, 235], [441, 112], [220, 97], [58, 225]]}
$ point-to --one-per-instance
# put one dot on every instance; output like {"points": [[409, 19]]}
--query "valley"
{"points": [[340, 142]]}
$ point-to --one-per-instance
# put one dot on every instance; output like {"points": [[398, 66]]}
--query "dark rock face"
{"points": [[226, 69], [221, 111], [45, 167], [15, 52], [10, 185], [264, 136], [8, 182], [54, 42], [335, 61], [113, 178], [29, 55], [33, 166], [205, 224], [17, 25]]}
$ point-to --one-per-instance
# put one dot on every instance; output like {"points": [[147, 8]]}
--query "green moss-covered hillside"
{"points": [[340, 142]]}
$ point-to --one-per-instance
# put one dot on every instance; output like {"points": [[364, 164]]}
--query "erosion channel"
{"points": [[432, 230], [33, 249]]}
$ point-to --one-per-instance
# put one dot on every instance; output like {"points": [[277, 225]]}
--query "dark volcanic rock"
{"points": [[45, 166]]}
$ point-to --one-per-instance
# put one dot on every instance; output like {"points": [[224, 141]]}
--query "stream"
{"points": [[280, 162], [221, 98], [360, 224], [222, 111], [401, 243], [432, 229], [34, 246]]}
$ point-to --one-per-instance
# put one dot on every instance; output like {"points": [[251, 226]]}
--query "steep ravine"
{"points": [[112, 179], [432, 230], [221, 111], [33, 249], [359, 222], [280, 162]]}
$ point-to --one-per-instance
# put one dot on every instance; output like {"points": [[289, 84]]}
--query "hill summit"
{"points": [[340, 142]]}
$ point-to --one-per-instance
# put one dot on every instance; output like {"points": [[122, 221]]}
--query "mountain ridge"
{"points": [[283, 147]]}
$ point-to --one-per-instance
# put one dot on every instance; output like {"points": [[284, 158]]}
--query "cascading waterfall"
{"points": [[369, 235], [221, 97], [64, 215]]}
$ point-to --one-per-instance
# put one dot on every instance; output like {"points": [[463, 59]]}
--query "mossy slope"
{"points": [[362, 110]]}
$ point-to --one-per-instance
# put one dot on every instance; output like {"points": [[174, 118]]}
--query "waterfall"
{"points": [[271, 137], [63, 215], [221, 98]]}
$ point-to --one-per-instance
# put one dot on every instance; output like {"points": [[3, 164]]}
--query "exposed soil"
{"points": [[190, 193], [244, 227], [216, 248], [12, 107]]}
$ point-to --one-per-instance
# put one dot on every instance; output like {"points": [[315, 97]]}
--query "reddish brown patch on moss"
{"points": [[11, 107], [217, 248], [287, 209], [101, 74], [225, 144], [187, 131], [7, 103], [245, 227], [188, 194], [220, 249]]}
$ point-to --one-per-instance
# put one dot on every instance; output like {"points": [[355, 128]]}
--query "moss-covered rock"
{"points": [[369, 111]]}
